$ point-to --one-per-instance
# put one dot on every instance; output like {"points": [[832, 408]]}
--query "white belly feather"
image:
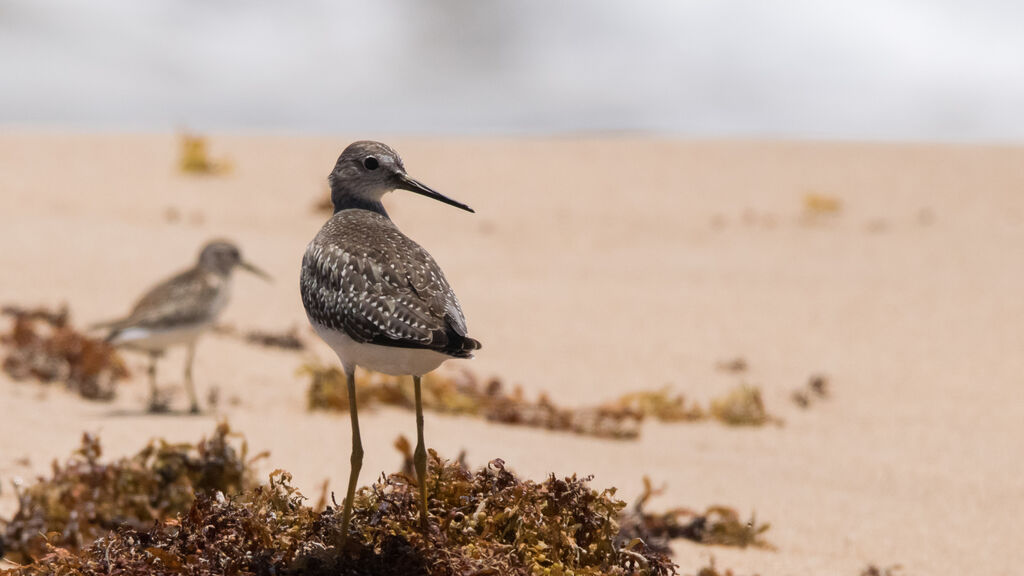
{"points": [[153, 340], [386, 359]]}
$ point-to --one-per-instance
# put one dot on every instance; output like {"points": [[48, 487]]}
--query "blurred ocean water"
{"points": [[872, 69]]}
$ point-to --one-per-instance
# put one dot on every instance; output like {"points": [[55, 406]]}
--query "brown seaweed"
{"points": [[42, 345], [715, 526], [285, 339], [86, 497], [735, 365], [742, 406], [182, 509], [484, 522], [817, 387], [462, 393]]}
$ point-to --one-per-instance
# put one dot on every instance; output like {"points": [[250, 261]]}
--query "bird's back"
{"points": [[363, 277], [193, 297]]}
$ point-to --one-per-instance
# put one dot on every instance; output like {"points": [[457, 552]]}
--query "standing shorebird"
{"points": [[178, 310], [375, 296]]}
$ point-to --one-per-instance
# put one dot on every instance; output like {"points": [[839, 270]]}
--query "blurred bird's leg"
{"points": [[190, 386], [357, 452], [154, 401], [420, 455]]}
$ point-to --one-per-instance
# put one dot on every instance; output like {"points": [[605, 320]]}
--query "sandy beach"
{"points": [[592, 268]]}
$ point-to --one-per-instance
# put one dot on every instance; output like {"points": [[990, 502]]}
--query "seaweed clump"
{"points": [[817, 387], [85, 498], [462, 393], [195, 157], [487, 522], [285, 340], [716, 526], [43, 345], [742, 406]]}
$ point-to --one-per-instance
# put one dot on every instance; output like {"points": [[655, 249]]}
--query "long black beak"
{"points": [[404, 182], [250, 268]]}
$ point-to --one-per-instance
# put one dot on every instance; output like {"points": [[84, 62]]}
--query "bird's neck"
{"points": [[348, 201], [214, 273]]}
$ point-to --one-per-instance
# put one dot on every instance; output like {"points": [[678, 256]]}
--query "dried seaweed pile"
{"points": [[742, 406], [85, 498], [183, 509], [43, 345], [487, 522], [716, 526], [817, 388], [285, 340], [463, 393]]}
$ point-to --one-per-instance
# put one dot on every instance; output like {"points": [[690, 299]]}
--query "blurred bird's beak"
{"points": [[256, 271], [406, 183]]}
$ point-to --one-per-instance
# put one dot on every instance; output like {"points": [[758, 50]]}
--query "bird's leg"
{"points": [[357, 453], [189, 385], [420, 455], [154, 402]]}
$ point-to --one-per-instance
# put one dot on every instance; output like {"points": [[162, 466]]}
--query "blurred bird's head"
{"points": [[368, 170], [221, 257]]}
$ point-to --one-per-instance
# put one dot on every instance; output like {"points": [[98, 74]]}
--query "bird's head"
{"points": [[368, 170], [222, 257]]}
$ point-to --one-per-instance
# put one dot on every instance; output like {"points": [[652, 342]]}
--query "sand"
{"points": [[594, 267]]}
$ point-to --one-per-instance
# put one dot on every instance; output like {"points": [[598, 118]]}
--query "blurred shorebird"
{"points": [[178, 310], [375, 296]]}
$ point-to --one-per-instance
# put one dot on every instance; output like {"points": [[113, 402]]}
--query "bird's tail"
{"points": [[461, 346], [113, 327]]}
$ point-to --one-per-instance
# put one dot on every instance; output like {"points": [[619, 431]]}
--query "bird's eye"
{"points": [[371, 163]]}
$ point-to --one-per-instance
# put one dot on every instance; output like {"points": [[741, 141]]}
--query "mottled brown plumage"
{"points": [[190, 297], [361, 275]]}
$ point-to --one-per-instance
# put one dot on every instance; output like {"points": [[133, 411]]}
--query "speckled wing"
{"points": [[362, 276], [188, 298]]}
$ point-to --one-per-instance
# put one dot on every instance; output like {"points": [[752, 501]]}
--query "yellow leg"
{"points": [[357, 454], [190, 387], [154, 402], [420, 455]]}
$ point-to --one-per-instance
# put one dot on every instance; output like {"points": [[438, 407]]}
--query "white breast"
{"points": [[386, 359]]}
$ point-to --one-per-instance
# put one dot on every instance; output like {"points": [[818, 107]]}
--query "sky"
{"points": [[866, 70]]}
